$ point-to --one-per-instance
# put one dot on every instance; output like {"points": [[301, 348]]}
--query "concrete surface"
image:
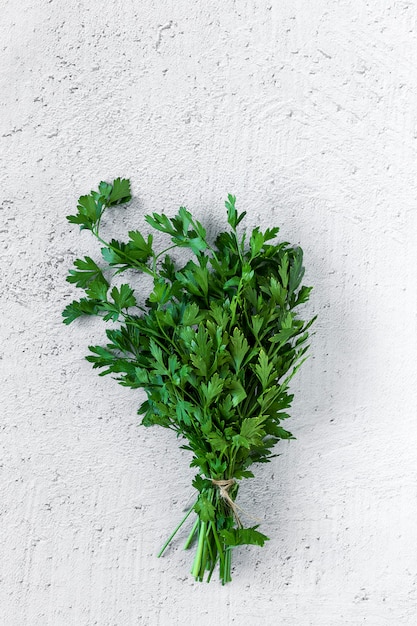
{"points": [[307, 112]]}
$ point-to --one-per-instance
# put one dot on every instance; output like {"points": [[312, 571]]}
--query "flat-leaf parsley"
{"points": [[214, 348]]}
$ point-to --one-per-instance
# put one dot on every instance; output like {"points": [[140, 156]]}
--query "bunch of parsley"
{"points": [[214, 347]]}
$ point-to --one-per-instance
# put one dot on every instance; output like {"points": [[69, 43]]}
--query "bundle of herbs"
{"points": [[214, 346]]}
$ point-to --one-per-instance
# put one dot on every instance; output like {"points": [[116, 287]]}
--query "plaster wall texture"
{"points": [[307, 112]]}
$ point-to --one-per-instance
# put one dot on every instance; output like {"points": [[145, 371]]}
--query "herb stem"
{"points": [[191, 535], [172, 535], [201, 540]]}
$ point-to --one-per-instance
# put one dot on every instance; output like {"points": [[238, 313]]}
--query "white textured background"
{"points": [[307, 111]]}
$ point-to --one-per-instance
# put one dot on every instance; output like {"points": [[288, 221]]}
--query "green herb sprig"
{"points": [[214, 347]]}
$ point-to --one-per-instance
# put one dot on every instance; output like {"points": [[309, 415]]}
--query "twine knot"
{"points": [[224, 486]]}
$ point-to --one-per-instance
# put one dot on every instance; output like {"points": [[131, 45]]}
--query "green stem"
{"points": [[167, 337], [203, 559], [211, 550], [239, 251], [227, 576], [191, 535], [217, 540], [212, 569], [197, 561], [175, 532], [156, 256]]}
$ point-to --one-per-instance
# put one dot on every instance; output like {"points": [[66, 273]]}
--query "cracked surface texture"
{"points": [[306, 111]]}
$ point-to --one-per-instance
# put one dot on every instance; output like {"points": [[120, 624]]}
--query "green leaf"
{"points": [[217, 467], [278, 292], [140, 244], [243, 536], [282, 433], [237, 392], [252, 429], [233, 217], [120, 192], [247, 273], [191, 315], [83, 221], [239, 347], [221, 314], [232, 282], [160, 222], [283, 336], [105, 190], [265, 370], [104, 354], [231, 210], [256, 242], [142, 376], [79, 308], [271, 233], [123, 297], [204, 509], [157, 353], [183, 412], [212, 390], [89, 208], [97, 290], [296, 270], [257, 324], [194, 279], [201, 483], [87, 271], [200, 351], [283, 271], [115, 254], [168, 268], [303, 295], [240, 442], [125, 254], [197, 244], [217, 442], [182, 221], [243, 474], [161, 292]]}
